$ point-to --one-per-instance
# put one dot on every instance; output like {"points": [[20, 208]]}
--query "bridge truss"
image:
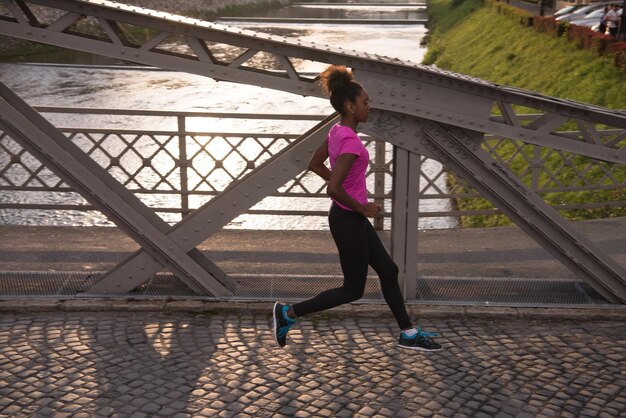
{"points": [[422, 111]]}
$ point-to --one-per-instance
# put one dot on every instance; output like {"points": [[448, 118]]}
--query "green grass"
{"points": [[444, 14], [476, 40], [494, 47]]}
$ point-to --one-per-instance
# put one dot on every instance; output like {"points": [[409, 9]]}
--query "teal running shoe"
{"points": [[281, 323], [422, 341]]}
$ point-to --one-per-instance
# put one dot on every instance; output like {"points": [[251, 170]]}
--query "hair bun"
{"points": [[334, 78]]}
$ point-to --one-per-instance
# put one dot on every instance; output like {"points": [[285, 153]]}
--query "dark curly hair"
{"points": [[338, 83]]}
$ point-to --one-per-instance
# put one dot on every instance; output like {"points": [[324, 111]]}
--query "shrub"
{"points": [[618, 50], [545, 24], [600, 43], [561, 28], [580, 35], [524, 17]]}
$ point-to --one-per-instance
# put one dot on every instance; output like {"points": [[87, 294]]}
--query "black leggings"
{"points": [[359, 246]]}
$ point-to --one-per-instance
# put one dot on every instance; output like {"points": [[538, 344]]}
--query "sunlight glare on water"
{"points": [[154, 89]]}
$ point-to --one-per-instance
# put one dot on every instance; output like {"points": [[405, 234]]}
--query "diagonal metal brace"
{"points": [[97, 186], [459, 150], [218, 212]]}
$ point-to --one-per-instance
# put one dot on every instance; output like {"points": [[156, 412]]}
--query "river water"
{"points": [[81, 84]]}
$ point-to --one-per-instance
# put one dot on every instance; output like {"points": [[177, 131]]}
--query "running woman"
{"points": [[357, 241]]}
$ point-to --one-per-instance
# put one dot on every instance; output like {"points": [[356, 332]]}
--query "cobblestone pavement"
{"points": [[151, 364]]}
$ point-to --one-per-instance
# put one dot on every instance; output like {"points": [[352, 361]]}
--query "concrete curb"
{"points": [[361, 310]]}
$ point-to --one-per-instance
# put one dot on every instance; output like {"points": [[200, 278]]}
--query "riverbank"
{"points": [[504, 52], [200, 9]]}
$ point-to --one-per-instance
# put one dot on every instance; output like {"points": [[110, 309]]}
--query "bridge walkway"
{"points": [[518, 266], [225, 363], [422, 111]]}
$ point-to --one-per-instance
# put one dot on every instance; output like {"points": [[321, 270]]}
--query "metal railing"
{"points": [[425, 113], [176, 168]]}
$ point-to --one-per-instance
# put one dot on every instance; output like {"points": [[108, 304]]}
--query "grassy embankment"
{"points": [[471, 38]]}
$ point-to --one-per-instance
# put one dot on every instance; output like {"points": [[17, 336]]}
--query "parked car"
{"points": [[582, 12], [590, 19], [568, 9]]}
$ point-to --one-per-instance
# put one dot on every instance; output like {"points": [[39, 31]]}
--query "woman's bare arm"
{"points": [[316, 164]]}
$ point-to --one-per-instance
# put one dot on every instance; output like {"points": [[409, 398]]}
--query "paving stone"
{"points": [[109, 364]]}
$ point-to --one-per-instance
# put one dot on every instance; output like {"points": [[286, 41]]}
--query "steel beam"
{"points": [[460, 150], [409, 88], [222, 209], [403, 92], [427, 99], [405, 217], [97, 186]]}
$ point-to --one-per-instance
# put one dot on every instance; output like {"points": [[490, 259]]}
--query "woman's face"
{"points": [[361, 107]]}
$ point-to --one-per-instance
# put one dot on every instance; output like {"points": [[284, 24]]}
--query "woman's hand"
{"points": [[371, 210]]}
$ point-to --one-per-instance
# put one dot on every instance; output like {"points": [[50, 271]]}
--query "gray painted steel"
{"points": [[214, 215], [444, 290], [429, 112], [96, 185]]}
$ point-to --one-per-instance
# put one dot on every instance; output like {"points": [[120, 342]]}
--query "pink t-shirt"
{"points": [[343, 140]]}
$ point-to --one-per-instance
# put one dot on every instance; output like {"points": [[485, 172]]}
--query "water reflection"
{"points": [[143, 88], [365, 38]]}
